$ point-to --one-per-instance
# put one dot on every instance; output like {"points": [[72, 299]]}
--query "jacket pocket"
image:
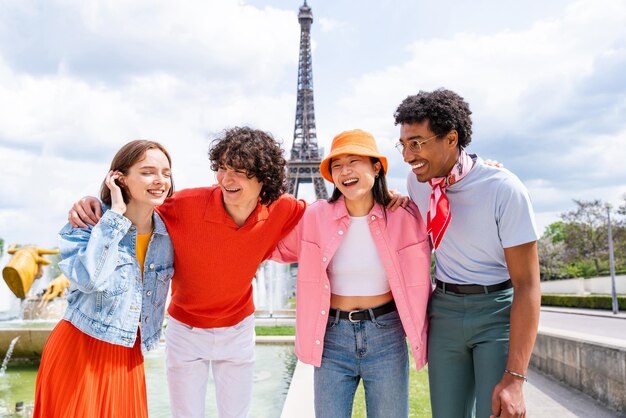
{"points": [[309, 262], [415, 263], [109, 300], [163, 279], [117, 288]]}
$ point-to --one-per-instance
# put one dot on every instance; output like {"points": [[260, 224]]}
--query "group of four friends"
{"points": [[363, 286]]}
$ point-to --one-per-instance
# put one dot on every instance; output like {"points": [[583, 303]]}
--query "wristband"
{"points": [[521, 376]]}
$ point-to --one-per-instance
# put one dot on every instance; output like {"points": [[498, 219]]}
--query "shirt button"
{"points": [[373, 217], [151, 266], [325, 286], [317, 342], [324, 259], [149, 293], [340, 232], [323, 312]]}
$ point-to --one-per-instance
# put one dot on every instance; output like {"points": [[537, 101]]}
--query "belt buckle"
{"points": [[350, 317]]}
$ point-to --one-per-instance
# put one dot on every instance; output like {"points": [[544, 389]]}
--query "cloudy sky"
{"points": [[78, 78]]}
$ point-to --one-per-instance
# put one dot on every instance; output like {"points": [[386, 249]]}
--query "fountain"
{"points": [[30, 309], [33, 309], [5, 362], [7, 383], [274, 285], [26, 323]]}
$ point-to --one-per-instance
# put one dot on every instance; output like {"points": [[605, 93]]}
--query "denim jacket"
{"points": [[107, 296]]}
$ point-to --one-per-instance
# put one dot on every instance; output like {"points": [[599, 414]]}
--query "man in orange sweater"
{"points": [[221, 234]]}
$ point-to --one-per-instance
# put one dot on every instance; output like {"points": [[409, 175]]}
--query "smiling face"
{"points": [[148, 181], [436, 157], [237, 188], [354, 176]]}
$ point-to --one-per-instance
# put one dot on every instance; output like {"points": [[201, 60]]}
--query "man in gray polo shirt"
{"points": [[482, 228]]}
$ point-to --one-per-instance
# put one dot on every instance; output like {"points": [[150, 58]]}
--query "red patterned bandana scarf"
{"points": [[439, 214]]}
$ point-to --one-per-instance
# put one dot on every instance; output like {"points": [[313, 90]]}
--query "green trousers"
{"points": [[468, 345]]}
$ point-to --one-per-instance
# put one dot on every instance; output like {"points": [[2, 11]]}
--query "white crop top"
{"points": [[356, 269]]}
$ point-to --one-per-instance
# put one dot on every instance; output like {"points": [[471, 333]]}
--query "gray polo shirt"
{"points": [[491, 210]]}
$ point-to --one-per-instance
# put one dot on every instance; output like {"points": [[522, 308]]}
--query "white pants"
{"points": [[191, 352]]}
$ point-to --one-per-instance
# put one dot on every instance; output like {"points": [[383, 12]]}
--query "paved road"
{"points": [[549, 398], [598, 323], [545, 397]]}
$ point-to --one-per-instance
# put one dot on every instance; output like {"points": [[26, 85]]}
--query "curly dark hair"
{"points": [[444, 109], [257, 153]]}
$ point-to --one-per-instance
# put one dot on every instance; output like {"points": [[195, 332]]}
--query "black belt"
{"points": [[363, 315], [472, 289]]}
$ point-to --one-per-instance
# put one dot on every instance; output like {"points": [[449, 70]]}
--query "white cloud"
{"points": [[80, 78], [37, 192], [193, 37], [210, 65], [330, 25], [498, 72], [528, 91]]}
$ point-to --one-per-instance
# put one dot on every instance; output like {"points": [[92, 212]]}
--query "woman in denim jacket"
{"points": [[363, 284], [120, 269]]}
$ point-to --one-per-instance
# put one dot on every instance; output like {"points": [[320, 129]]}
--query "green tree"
{"points": [[1, 247], [618, 224], [555, 231], [551, 247], [622, 209], [585, 234]]}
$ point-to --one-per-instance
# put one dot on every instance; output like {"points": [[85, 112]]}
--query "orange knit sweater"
{"points": [[214, 259]]}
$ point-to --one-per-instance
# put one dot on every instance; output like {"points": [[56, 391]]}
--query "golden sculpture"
{"points": [[55, 288], [24, 267]]}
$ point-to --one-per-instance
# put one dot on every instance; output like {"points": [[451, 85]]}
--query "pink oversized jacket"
{"points": [[404, 250]]}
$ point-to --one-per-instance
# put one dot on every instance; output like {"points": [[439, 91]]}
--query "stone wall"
{"points": [[580, 286], [593, 365]]}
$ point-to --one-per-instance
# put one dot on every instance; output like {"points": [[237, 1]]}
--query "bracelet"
{"points": [[521, 376]]}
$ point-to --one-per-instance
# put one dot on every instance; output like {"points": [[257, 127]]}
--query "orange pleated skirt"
{"points": [[80, 376]]}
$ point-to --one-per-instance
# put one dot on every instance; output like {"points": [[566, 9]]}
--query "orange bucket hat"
{"points": [[355, 142]]}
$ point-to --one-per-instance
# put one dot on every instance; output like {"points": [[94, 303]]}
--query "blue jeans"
{"points": [[372, 350]]}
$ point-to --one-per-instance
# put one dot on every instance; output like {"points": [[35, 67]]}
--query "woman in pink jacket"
{"points": [[363, 285]]}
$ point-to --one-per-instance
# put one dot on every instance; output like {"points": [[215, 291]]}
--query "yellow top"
{"points": [[142, 249]]}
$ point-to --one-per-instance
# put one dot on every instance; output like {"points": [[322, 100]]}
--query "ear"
{"points": [[452, 138], [377, 168]]}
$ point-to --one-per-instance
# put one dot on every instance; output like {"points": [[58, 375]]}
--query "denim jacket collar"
{"points": [[159, 225]]}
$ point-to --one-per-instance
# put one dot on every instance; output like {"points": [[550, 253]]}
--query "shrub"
{"points": [[585, 302]]}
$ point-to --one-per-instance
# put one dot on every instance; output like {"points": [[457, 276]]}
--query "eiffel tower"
{"points": [[303, 165]]}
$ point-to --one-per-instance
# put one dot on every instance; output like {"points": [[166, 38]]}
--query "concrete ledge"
{"points": [[594, 365], [299, 401], [275, 339], [28, 346], [31, 341]]}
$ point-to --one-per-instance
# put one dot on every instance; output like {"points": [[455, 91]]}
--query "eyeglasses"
{"points": [[413, 144]]}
